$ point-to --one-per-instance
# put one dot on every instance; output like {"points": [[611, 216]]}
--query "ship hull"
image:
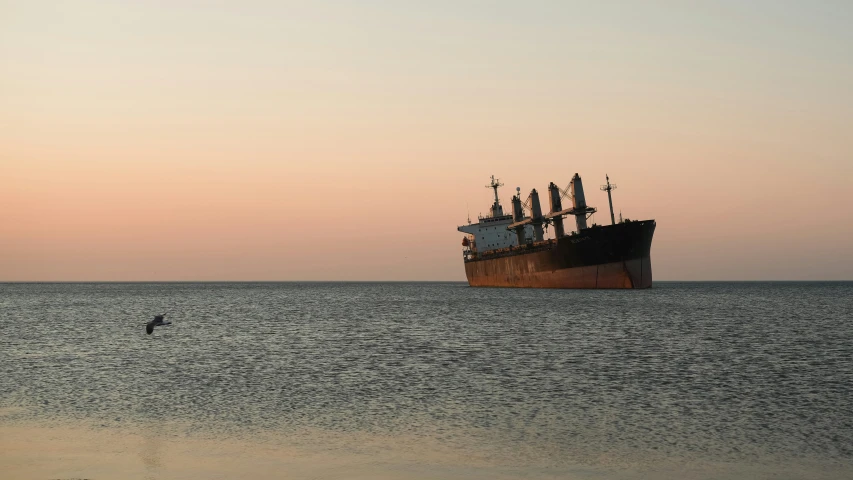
{"points": [[614, 256]]}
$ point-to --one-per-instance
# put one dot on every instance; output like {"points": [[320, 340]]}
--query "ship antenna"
{"points": [[608, 188], [496, 210], [494, 185]]}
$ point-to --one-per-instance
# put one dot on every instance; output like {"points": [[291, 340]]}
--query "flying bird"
{"points": [[158, 320]]}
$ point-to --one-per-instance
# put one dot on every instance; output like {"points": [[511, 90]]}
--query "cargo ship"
{"points": [[510, 250]]}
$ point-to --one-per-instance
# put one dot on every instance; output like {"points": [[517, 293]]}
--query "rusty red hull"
{"points": [[614, 256]]}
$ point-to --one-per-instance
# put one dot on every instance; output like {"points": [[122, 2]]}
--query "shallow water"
{"points": [[426, 380]]}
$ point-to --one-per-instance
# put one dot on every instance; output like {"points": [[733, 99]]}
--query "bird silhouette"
{"points": [[158, 320]]}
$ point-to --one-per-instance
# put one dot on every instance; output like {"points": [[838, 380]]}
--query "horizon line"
{"points": [[5, 282]]}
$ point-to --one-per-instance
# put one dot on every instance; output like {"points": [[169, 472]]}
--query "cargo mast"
{"points": [[579, 208], [518, 218], [536, 218], [608, 188], [556, 208]]}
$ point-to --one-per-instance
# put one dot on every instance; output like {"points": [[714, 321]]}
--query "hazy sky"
{"points": [[271, 140]]}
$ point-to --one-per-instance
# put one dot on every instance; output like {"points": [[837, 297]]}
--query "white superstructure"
{"points": [[490, 233]]}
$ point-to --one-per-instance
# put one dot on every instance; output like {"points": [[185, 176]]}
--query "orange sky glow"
{"points": [[266, 140]]}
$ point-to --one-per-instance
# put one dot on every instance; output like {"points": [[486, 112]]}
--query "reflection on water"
{"points": [[717, 380]]}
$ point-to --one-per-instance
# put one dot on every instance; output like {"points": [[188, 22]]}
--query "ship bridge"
{"points": [[490, 233]]}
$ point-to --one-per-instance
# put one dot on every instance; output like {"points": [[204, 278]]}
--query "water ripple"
{"points": [[744, 373]]}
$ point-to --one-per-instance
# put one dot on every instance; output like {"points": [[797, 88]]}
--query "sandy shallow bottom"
{"points": [[63, 452]]}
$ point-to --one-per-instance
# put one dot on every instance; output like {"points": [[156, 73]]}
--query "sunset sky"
{"points": [[271, 140]]}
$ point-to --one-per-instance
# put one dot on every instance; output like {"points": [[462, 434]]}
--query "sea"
{"points": [[693, 380]]}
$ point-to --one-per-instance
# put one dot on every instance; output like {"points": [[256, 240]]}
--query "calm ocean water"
{"points": [[429, 380]]}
